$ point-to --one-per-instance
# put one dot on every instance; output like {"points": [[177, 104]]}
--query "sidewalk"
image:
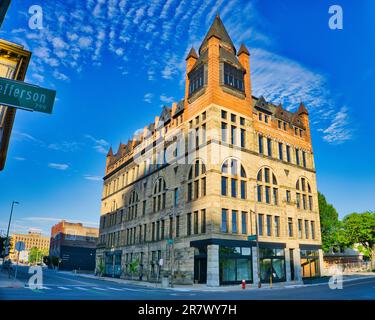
{"points": [[203, 287], [5, 282]]}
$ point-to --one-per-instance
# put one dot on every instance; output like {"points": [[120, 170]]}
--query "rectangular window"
{"points": [[223, 132], [300, 228], [242, 138], [176, 197], [203, 181], [234, 221], [196, 222], [277, 226], [259, 193], [158, 230], [144, 207], [188, 227], [297, 157], [304, 202], [233, 77], [310, 203], [244, 222], [196, 189], [266, 118], [177, 226], [260, 143], [279, 124], [260, 223], [234, 188], [242, 121], [260, 116], [223, 114], [233, 131], [153, 231], [243, 189], [288, 196], [281, 155], [232, 117], [170, 227], [269, 147], [290, 227], [162, 229], [204, 136], [145, 233], [268, 196], [304, 158], [313, 230], [224, 220], [275, 196], [224, 186], [196, 79], [203, 221], [269, 225], [190, 191], [306, 229], [197, 137], [298, 200], [288, 153]]}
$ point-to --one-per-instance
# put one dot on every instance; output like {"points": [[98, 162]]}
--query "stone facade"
{"points": [[183, 196]]}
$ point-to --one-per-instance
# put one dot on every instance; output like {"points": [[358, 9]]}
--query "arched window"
{"points": [[133, 205], [159, 194], [196, 181], [303, 194], [233, 173], [267, 189]]}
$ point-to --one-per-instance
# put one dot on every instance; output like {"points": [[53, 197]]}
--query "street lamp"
{"points": [[7, 238]]}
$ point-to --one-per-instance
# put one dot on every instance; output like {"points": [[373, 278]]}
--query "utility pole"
{"points": [[4, 5], [6, 246]]}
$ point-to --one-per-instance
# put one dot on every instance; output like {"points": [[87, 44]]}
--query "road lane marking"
{"points": [[64, 288]]}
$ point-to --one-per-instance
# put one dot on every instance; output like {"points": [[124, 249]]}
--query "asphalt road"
{"points": [[64, 286]]}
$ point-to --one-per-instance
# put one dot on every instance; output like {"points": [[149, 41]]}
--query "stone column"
{"points": [[255, 265], [297, 264], [287, 265], [213, 265], [321, 263]]}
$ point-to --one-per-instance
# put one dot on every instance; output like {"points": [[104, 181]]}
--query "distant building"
{"points": [[74, 245], [31, 240]]}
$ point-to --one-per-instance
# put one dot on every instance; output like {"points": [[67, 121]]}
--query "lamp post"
{"points": [[7, 237]]}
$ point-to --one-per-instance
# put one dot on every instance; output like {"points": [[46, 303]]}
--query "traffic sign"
{"points": [[26, 96], [252, 237], [20, 246]]}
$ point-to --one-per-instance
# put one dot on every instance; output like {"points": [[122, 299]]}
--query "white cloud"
{"points": [[92, 178], [100, 146], [338, 131], [84, 42], [58, 166], [60, 76], [19, 158], [147, 97], [165, 99]]}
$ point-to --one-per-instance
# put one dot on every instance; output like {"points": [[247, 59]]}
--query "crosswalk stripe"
{"points": [[80, 288], [64, 288], [116, 289], [101, 289]]}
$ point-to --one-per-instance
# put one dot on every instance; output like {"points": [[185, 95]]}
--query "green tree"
{"points": [[35, 255], [329, 224], [359, 228]]}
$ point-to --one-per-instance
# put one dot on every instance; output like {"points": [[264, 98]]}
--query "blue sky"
{"points": [[115, 63]]}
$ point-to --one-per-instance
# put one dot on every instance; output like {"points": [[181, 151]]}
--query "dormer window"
{"points": [[196, 79], [233, 77]]}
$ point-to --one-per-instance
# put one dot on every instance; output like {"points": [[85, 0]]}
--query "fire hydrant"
{"points": [[243, 284]]}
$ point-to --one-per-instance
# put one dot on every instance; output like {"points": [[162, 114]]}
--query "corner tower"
{"points": [[218, 75]]}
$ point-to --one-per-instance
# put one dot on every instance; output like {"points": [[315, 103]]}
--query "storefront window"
{"points": [[310, 263], [272, 264], [235, 264]]}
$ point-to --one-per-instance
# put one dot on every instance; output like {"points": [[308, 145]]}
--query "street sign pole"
{"points": [[6, 246]]}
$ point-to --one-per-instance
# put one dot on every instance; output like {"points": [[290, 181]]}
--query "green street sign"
{"points": [[252, 237], [26, 96]]}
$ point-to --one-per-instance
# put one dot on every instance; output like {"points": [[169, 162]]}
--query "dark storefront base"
{"points": [[76, 258]]}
